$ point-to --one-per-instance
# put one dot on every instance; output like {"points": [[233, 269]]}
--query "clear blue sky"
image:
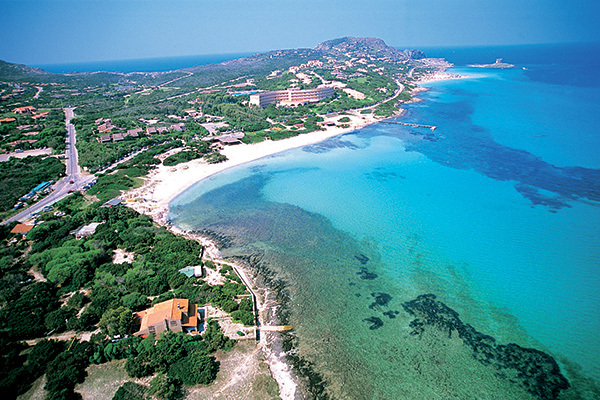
{"points": [[55, 31]]}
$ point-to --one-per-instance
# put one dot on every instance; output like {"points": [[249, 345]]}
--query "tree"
{"points": [[140, 365], [215, 339], [135, 301], [197, 368], [243, 316], [57, 320], [117, 321], [130, 391], [42, 353], [165, 388], [66, 370]]}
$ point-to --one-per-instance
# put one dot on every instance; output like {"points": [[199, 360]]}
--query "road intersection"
{"points": [[74, 180]]}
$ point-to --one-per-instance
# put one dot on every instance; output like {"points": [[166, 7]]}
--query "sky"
{"points": [[61, 31]]}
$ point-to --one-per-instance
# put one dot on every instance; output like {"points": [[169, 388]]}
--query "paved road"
{"points": [[396, 94], [64, 186], [39, 88]]}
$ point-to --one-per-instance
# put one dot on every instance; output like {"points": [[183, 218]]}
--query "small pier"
{"points": [[432, 127], [280, 328]]}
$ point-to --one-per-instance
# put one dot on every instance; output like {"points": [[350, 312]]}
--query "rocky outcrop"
{"points": [[535, 370], [367, 46]]}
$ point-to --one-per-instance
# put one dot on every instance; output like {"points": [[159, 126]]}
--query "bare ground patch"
{"points": [[103, 380], [36, 392], [120, 256], [243, 374]]}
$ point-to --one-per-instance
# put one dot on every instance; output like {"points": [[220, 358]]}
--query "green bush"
{"points": [[131, 391], [243, 316], [197, 368]]}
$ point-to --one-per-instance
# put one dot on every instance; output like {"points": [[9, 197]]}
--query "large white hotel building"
{"points": [[292, 96]]}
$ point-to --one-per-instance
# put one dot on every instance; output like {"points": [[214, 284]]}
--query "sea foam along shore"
{"points": [[164, 183]]}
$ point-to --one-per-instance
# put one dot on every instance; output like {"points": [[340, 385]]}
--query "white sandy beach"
{"points": [[165, 183], [438, 76]]}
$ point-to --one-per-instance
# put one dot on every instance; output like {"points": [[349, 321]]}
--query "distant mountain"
{"points": [[283, 59], [367, 46], [214, 73], [20, 71]]}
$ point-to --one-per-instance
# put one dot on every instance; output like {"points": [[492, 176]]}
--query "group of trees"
{"points": [[85, 290], [19, 175], [64, 364]]}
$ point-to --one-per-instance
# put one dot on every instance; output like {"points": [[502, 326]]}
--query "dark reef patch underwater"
{"points": [[535, 370]]}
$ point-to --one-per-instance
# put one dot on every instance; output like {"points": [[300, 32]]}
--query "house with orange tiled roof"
{"points": [[176, 315], [41, 115], [24, 110], [23, 229]]}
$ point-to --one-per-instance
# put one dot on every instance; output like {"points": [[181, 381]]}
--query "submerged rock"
{"points": [[535, 370], [365, 274], [391, 314], [376, 322], [381, 299], [362, 258]]}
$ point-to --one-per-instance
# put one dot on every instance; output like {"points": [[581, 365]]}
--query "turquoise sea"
{"points": [[496, 213]]}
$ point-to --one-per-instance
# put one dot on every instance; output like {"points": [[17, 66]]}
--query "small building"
{"points": [[117, 137], [134, 132], [111, 203], [101, 121], [7, 120], [180, 127], [196, 271], [150, 130], [40, 115], [87, 230], [176, 315], [42, 186], [22, 229], [105, 138], [226, 139], [105, 127]]}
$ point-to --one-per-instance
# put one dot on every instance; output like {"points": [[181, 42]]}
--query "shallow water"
{"points": [[495, 212]]}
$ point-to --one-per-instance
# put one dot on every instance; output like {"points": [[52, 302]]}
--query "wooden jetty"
{"points": [[432, 127], [281, 328]]}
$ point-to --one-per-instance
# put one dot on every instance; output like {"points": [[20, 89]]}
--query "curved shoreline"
{"points": [[165, 183]]}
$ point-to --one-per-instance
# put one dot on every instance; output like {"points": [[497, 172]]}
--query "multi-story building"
{"points": [[292, 96]]}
